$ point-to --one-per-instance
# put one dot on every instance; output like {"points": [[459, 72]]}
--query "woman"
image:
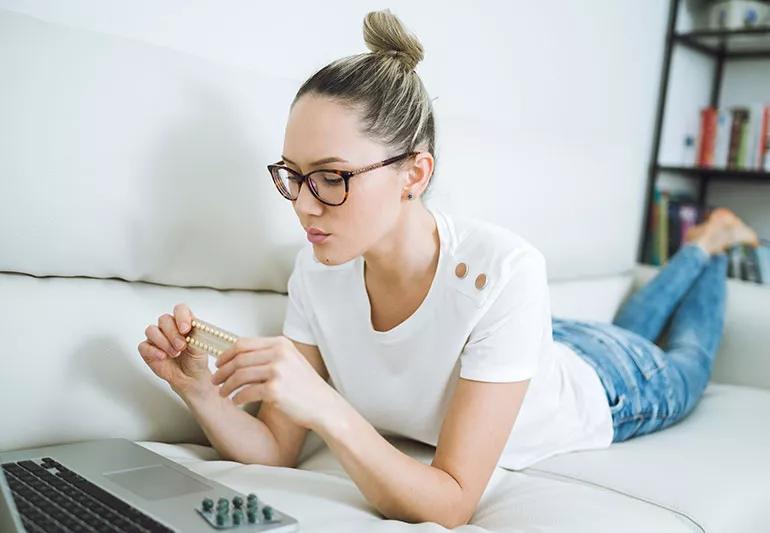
{"points": [[405, 319]]}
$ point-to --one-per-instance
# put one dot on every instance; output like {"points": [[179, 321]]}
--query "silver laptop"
{"points": [[118, 485]]}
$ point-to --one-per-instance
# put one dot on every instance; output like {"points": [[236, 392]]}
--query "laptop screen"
{"points": [[9, 516]]}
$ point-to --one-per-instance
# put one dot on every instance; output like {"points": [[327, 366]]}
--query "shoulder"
{"points": [[483, 257]]}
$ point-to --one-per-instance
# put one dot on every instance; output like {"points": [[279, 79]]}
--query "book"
{"points": [[733, 138], [707, 136], [722, 143], [750, 264], [735, 156], [763, 141], [734, 260], [662, 233]]}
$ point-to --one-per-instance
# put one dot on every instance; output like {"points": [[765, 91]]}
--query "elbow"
{"points": [[460, 513], [273, 459], [287, 462], [457, 514], [457, 519], [450, 519]]}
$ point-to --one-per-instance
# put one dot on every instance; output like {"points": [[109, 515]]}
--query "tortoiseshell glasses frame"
{"points": [[277, 168]]}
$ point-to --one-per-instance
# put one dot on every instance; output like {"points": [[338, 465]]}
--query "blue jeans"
{"points": [[650, 388]]}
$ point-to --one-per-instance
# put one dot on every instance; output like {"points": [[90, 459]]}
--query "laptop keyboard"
{"points": [[50, 497]]}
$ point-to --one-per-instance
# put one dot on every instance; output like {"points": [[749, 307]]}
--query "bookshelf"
{"points": [[721, 46]]}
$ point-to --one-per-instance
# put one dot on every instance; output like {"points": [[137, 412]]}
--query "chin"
{"points": [[330, 259]]}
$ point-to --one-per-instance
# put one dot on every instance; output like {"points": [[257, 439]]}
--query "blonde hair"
{"points": [[382, 86]]}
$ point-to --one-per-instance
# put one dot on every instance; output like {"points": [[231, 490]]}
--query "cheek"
{"points": [[375, 194]]}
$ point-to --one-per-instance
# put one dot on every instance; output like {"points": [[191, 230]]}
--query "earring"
{"points": [[410, 196]]}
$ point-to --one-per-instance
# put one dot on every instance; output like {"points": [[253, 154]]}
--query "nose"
{"points": [[306, 203]]}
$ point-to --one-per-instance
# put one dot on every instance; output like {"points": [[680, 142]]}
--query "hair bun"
{"points": [[385, 34]]}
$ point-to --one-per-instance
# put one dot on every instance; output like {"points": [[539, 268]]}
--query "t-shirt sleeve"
{"points": [[509, 339], [296, 324]]}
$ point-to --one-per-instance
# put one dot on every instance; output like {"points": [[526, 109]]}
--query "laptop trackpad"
{"points": [[156, 482]]}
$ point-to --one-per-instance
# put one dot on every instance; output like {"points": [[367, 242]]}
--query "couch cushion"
{"points": [[708, 472], [744, 356], [71, 367], [713, 466], [321, 495]]}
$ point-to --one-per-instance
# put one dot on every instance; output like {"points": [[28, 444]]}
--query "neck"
{"points": [[408, 252]]}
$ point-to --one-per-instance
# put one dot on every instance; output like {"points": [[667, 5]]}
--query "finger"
{"points": [[253, 393], [244, 359], [243, 376], [168, 327], [156, 337], [150, 353], [183, 317], [246, 344]]}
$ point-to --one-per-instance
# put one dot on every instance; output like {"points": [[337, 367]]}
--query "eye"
{"points": [[332, 181], [328, 179]]}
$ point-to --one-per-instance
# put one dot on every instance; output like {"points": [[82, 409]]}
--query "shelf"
{"points": [[718, 173], [748, 43]]}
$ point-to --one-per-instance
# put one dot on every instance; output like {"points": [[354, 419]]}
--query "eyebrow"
{"points": [[325, 160]]}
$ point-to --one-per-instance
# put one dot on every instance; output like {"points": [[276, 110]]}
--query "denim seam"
{"points": [[647, 414]]}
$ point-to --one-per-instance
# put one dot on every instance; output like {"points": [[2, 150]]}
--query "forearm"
{"points": [[233, 432], [397, 485]]}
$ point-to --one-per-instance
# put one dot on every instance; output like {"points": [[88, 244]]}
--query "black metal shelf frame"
{"points": [[721, 45]]}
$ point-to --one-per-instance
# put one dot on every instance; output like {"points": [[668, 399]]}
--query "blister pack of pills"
{"points": [[204, 337]]}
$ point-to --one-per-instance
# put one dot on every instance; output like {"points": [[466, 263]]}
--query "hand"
{"points": [[166, 352], [271, 369]]}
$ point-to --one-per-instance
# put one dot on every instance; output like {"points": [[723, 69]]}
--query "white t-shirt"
{"points": [[401, 380]]}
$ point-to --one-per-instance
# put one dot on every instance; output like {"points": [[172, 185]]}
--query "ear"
{"points": [[419, 173]]}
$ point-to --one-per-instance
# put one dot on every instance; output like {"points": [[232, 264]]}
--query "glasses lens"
{"points": [[287, 183], [329, 186]]}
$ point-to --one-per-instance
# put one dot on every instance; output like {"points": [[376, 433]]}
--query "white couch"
{"points": [[132, 178]]}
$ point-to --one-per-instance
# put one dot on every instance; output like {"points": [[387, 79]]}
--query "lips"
{"points": [[316, 236]]}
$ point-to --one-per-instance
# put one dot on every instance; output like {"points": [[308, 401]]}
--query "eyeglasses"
{"points": [[329, 186]]}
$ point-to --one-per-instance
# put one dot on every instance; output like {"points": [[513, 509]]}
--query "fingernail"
{"points": [[214, 379], [185, 327], [179, 343]]}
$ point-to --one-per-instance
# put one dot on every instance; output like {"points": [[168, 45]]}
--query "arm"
{"points": [[270, 439], [479, 419]]}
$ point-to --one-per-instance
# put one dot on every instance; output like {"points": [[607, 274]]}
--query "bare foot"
{"points": [[720, 231]]}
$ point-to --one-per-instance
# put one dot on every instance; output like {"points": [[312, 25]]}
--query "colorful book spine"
{"points": [[722, 143], [652, 235], [763, 143], [688, 215], [662, 237], [750, 264], [707, 136], [735, 138], [734, 158]]}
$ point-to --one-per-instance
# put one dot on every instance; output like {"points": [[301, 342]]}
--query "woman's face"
{"points": [[317, 129]]}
